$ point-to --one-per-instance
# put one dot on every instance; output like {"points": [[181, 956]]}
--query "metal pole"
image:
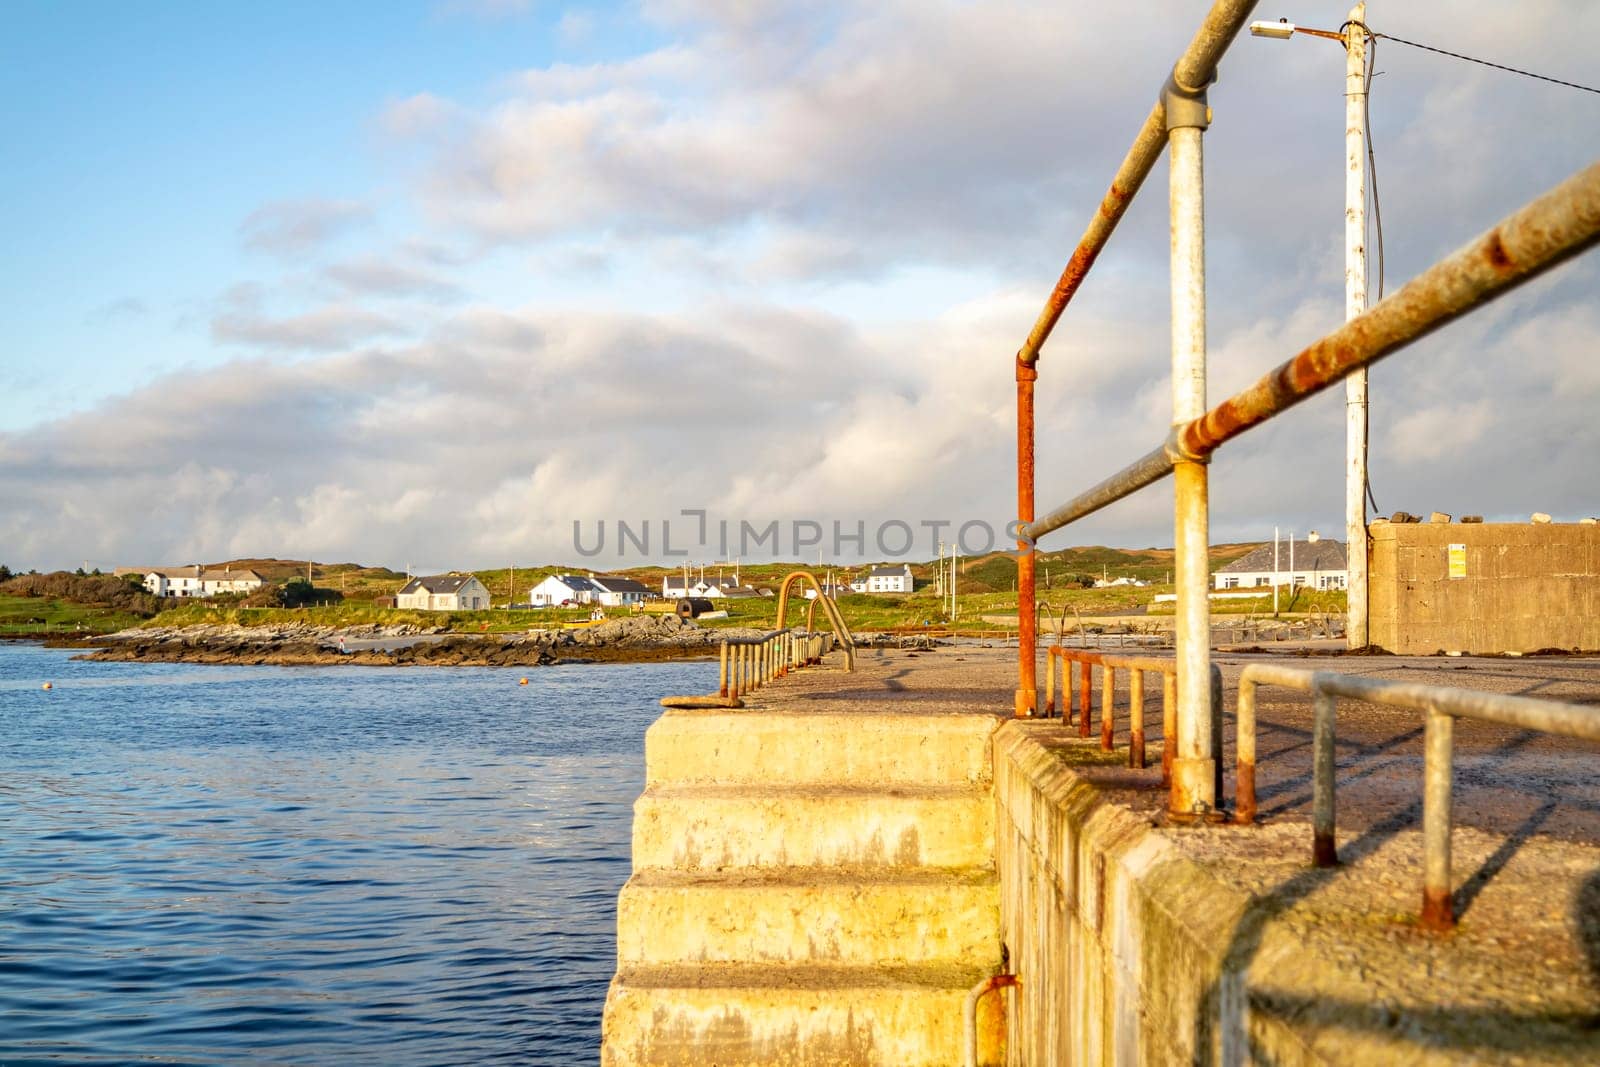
{"points": [[1169, 724], [1085, 695], [1027, 697], [1049, 683], [1193, 771], [1245, 784], [1108, 707], [1324, 850], [1136, 718], [1438, 910], [1355, 304], [722, 671]]}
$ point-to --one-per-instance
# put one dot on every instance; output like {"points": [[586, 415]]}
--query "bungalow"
{"points": [[888, 579], [1313, 563], [561, 589], [443, 592], [617, 592], [197, 581], [673, 588]]}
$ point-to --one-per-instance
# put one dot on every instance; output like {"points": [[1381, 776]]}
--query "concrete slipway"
{"points": [[820, 876]]}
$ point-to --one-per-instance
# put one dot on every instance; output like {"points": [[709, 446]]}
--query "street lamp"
{"points": [[1354, 37]]}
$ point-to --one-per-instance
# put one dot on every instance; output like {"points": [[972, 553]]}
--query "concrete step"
{"points": [[732, 1015], [708, 828], [816, 915], [774, 748]]}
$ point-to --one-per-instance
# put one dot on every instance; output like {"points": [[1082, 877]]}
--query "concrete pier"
{"points": [[813, 881], [820, 877]]}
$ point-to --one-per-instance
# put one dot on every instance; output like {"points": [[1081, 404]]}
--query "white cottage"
{"points": [[1313, 563], [197, 581], [561, 589], [888, 579], [443, 592]]}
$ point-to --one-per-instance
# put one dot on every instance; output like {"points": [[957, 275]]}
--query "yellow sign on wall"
{"points": [[1458, 561]]}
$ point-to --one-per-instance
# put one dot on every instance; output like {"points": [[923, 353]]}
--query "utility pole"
{"points": [[1274, 572], [1355, 303]]}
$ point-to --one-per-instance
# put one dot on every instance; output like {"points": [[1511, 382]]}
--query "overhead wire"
{"points": [[1487, 63]]}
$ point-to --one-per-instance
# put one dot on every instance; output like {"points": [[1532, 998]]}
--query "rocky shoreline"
{"points": [[636, 638]]}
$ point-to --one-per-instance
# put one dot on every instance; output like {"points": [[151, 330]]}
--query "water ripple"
{"points": [[288, 865]]}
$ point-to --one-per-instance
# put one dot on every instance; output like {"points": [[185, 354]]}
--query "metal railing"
{"points": [[1058, 662], [1549, 230], [1440, 706], [745, 664]]}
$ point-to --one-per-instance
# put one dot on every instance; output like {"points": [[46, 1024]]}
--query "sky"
{"points": [[428, 283]]}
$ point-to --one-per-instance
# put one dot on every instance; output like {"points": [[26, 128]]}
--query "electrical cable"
{"points": [[1377, 217], [1487, 63]]}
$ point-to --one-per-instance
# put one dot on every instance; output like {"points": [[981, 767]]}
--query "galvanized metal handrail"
{"points": [[1441, 706], [1195, 69], [1547, 232]]}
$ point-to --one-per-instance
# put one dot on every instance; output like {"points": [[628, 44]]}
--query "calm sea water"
{"points": [[302, 865]]}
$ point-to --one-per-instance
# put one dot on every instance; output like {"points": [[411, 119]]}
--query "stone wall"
{"points": [[1523, 587], [1120, 942]]}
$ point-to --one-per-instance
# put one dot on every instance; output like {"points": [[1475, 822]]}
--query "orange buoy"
{"points": [[523, 682], [48, 685]]}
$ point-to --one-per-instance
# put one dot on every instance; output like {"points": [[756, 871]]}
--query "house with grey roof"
{"points": [[889, 579], [1314, 563], [559, 589], [197, 581], [618, 592], [443, 592]]}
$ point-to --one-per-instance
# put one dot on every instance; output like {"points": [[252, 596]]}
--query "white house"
{"points": [[618, 592], [888, 579], [1313, 563], [561, 589], [673, 588], [198, 581], [443, 592]]}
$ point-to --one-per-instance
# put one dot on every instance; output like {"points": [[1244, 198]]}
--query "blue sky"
{"points": [[430, 281], [142, 135]]}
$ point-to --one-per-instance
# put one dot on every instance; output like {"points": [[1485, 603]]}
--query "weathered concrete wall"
{"points": [[1121, 943], [1526, 587]]}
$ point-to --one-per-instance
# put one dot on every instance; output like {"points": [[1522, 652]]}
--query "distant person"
{"points": [[341, 645]]}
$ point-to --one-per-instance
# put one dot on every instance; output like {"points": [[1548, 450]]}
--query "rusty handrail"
{"points": [[835, 618], [1137, 667], [1441, 706], [1195, 69], [1544, 234]]}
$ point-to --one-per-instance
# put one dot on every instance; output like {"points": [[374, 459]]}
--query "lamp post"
{"points": [[1353, 36]]}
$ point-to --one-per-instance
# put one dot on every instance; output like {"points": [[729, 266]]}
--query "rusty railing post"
{"points": [[1169, 724], [1085, 695], [722, 671], [1136, 718], [1245, 784], [1324, 850], [1027, 697], [1049, 682], [1438, 909], [1108, 706]]}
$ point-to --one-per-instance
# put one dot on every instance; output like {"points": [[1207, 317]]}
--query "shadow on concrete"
{"points": [[1461, 1029], [1247, 937], [1586, 917]]}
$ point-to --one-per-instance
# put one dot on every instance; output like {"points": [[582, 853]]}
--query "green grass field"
{"points": [[40, 615]]}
